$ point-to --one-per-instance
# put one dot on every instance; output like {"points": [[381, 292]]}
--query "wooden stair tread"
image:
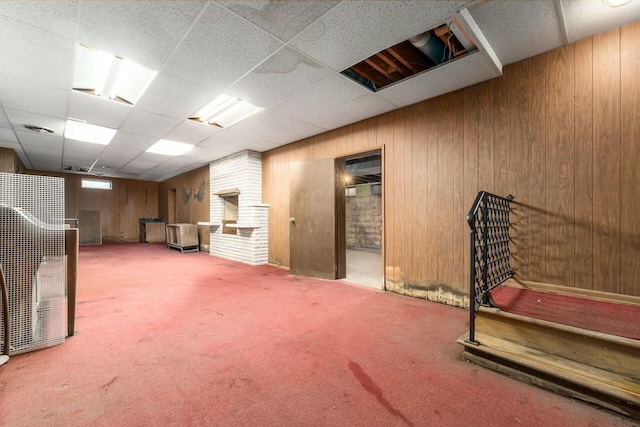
{"points": [[600, 380], [588, 348]]}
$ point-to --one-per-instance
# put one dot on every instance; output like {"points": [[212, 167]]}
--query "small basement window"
{"points": [[351, 191], [96, 184]]}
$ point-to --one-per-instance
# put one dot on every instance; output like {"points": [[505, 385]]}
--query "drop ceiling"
{"points": [[285, 56]]}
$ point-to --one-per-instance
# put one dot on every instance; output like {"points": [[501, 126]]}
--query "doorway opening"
{"points": [[363, 219]]}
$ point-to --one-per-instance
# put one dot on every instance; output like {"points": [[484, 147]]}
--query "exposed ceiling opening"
{"points": [[80, 169], [364, 170], [412, 57]]}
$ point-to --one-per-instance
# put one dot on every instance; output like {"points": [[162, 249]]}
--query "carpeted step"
{"points": [[604, 312], [592, 366]]}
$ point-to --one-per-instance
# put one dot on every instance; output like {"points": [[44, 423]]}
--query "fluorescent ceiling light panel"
{"points": [[86, 132], [225, 111], [169, 148], [102, 74]]}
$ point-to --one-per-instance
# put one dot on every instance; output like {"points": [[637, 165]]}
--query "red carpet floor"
{"points": [[171, 339], [607, 317]]}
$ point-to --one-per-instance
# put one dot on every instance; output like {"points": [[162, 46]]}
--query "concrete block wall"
{"points": [[250, 243], [364, 219]]}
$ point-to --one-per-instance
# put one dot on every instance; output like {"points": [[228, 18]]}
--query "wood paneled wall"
{"points": [[191, 202], [120, 208], [9, 161], [559, 131]]}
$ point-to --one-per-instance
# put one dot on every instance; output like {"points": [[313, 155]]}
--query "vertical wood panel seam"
{"points": [[620, 131], [544, 166], [593, 167]]}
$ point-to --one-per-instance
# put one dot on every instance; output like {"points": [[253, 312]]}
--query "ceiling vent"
{"points": [[38, 129], [433, 48]]}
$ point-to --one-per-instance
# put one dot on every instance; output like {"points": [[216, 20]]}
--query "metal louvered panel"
{"points": [[32, 259]]}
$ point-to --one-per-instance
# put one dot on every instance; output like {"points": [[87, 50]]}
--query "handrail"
{"points": [[489, 258]]}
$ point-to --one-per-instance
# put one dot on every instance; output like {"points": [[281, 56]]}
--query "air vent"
{"points": [[38, 129], [425, 51]]}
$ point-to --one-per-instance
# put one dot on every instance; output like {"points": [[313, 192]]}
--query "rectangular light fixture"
{"points": [[225, 111], [81, 131], [108, 76], [169, 148]]}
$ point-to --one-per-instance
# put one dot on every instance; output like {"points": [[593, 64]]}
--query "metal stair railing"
{"points": [[489, 255]]}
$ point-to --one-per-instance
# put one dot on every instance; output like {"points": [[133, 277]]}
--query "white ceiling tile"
{"points": [[131, 169], [117, 157], [113, 152], [148, 124], [282, 19], [178, 161], [23, 95], [255, 145], [173, 97], [58, 17], [77, 158], [192, 132], [322, 97], [513, 35], [466, 71], [20, 118], [219, 49], [38, 150], [182, 170], [261, 125], [147, 176], [130, 141], [4, 121], [51, 161], [97, 111], [212, 153], [226, 141], [145, 32], [141, 164], [355, 30], [46, 162], [588, 17], [196, 154], [7, 135], [354, 111], [154, 158], [84, 148], [35, 55], [160, 170], [54, 141], [274, 127], [284, 74]]}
